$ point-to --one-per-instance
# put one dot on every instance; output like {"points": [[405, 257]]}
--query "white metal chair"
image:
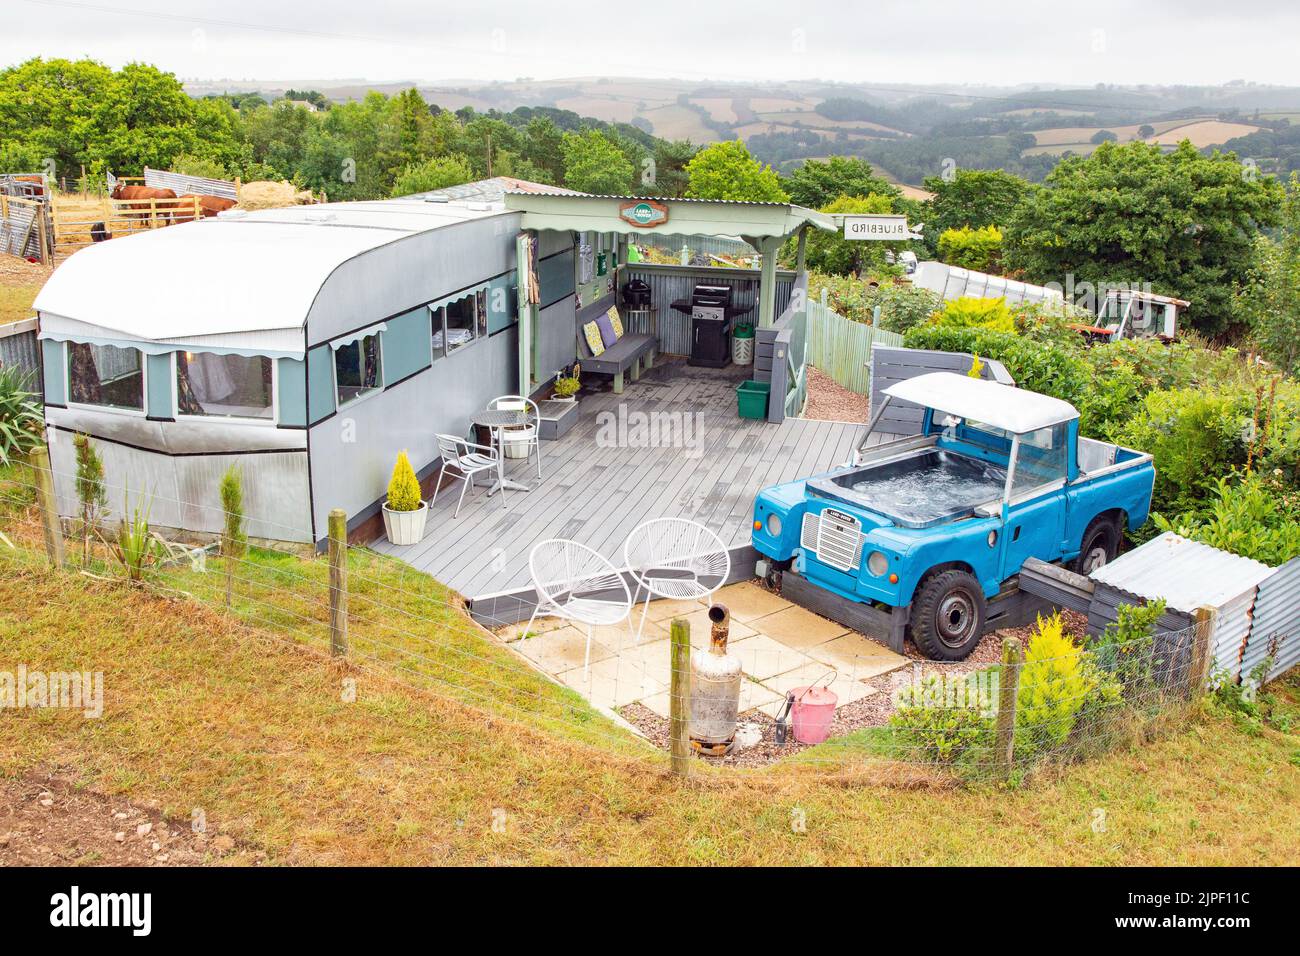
{"points": [[470, 460], [533, 425], [675, 558], [577, 584]]}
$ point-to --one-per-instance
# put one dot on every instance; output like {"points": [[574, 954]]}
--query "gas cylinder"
{"points": [[715, 687]]}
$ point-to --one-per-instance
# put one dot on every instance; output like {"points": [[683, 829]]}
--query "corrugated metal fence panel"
{"points": [[181, 184], [890, 365], [18, 236], [1173, 630], [1275, 630], [842, 348], [18, 347], [1231, 629], [716, 245], [667, 284]]}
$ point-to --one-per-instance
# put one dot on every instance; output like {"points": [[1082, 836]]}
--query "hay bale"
{"points": [[265, 194]]}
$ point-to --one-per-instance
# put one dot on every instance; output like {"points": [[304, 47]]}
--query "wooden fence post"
{"points": [[45, 500], [338, 555], [1198, 675], [1013, 657], [679, 697]]}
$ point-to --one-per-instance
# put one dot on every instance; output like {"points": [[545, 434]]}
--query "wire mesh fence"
{"points": [[806, 691]]}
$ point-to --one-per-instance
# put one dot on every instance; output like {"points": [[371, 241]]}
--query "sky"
{"points": [[888, 41]]}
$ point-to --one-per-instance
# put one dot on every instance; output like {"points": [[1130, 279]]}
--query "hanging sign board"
{"points": [[891, 228], [645, 213]]}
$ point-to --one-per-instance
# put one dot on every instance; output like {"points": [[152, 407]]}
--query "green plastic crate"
{"points": [[751, 399]]}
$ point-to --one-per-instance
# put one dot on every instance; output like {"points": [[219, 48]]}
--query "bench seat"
{"points": [[634, 352]]}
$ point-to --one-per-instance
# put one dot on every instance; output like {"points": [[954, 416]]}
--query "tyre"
{"points": [[948, 615], [1099, 545]]}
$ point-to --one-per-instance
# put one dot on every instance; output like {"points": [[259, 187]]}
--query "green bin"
{"points": [[751, 399]]}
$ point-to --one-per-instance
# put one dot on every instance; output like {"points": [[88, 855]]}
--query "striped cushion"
{"points": [[592, 331], [615, 321]]}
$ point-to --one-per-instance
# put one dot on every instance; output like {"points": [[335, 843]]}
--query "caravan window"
{"points": [[458, 323], [106, 375], [357, 368], [226, 386]]}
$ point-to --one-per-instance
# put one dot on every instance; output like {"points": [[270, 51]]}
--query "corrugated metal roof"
{"points": [[492, 190], [672, 199], [1187, 574]]}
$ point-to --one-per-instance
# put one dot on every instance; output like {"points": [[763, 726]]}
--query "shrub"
{"points": [[21, 420], [969, 312], [1252, 515], [234, 537], [403, 487], [979, 249], [1125, 650], [903, 307], [136, 548], [1054, 683], [1034, 365], [942, 723]]}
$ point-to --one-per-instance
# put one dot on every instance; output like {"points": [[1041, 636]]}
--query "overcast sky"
{"points": [[1011, 41]]}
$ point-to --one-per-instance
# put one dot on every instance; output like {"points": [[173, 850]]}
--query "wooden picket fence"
{"points": [[841, 348]]}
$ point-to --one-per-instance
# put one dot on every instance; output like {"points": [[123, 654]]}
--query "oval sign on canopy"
{"points": [[645, 213]]}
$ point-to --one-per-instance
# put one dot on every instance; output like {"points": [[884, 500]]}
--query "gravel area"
{"points": [[828, 401]]}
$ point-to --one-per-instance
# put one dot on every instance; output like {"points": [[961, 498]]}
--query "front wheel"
{"points": [[948, 616]]}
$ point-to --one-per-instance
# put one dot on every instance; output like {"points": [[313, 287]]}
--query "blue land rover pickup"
{"points": [[935, 524]]}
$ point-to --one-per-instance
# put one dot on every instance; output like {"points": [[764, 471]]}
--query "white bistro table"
{"points": [[495, 420]]}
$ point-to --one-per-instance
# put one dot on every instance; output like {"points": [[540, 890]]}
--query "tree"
{"points": [[1146, 131], [543, 147], [978, 249], [47, 106], [1181, 221], [594, 164], [1103, 136], [670, 177], [143, 118], [234, 537], [726, 170], [973, 198], [819, 182], [91, 493], [437, 173], [1273, 299]]}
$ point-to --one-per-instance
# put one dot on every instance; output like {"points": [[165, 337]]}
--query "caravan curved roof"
{"points": [[243, 281], [1003, 406]]}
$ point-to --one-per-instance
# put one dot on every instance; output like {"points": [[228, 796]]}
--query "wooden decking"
{"points": [[603, 478]]}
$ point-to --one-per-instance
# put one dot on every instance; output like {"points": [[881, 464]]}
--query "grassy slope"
{"points": [[16, 301], [203, 711]]}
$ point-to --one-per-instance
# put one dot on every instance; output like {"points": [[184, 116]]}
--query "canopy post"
{"points": [[767, 282], [525, 312], [800, 257]]}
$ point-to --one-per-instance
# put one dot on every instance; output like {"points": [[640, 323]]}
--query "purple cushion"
{"points": [[606, 330]]}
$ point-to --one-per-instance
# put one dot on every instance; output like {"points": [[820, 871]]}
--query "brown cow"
{"points": [[208, 205]]}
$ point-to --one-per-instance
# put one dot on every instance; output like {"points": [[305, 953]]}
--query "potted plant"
{"points": [[566, 386], [404, 511]]}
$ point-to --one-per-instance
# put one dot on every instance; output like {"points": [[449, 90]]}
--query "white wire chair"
{"points": [[470, 460], [675, 558], [577, 584], [533, 425]]}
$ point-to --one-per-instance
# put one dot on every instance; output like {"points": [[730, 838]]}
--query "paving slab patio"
{"points": [[780, 647]]}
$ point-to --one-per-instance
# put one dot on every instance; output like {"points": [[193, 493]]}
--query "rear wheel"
{"points": [[1099, 545], [948, 616]]}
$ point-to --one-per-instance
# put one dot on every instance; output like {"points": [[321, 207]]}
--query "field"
{"points": [[1078, 139], [1203, 134], [243, 719], [679, 122]]}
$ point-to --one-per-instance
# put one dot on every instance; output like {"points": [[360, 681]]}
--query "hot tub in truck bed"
{"points": [[925, 535]]}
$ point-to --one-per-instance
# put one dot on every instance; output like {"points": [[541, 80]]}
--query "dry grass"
{"points": [[20, 280], [245, 717]]}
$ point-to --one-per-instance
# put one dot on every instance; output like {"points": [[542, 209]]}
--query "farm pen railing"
{"points": [[1049, 702]]}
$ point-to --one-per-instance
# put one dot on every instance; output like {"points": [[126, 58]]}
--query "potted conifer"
{"points": [[404, 511]]}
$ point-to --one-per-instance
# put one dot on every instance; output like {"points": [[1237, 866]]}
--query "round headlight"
{"points": [[993, 537], [877, 563], [774, 525]]}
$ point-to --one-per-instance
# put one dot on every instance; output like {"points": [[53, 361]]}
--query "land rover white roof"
{"points": [[1003, 406]]}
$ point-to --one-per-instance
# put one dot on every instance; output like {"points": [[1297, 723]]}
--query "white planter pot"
{"points": [[405, 527], [516, 440]]}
